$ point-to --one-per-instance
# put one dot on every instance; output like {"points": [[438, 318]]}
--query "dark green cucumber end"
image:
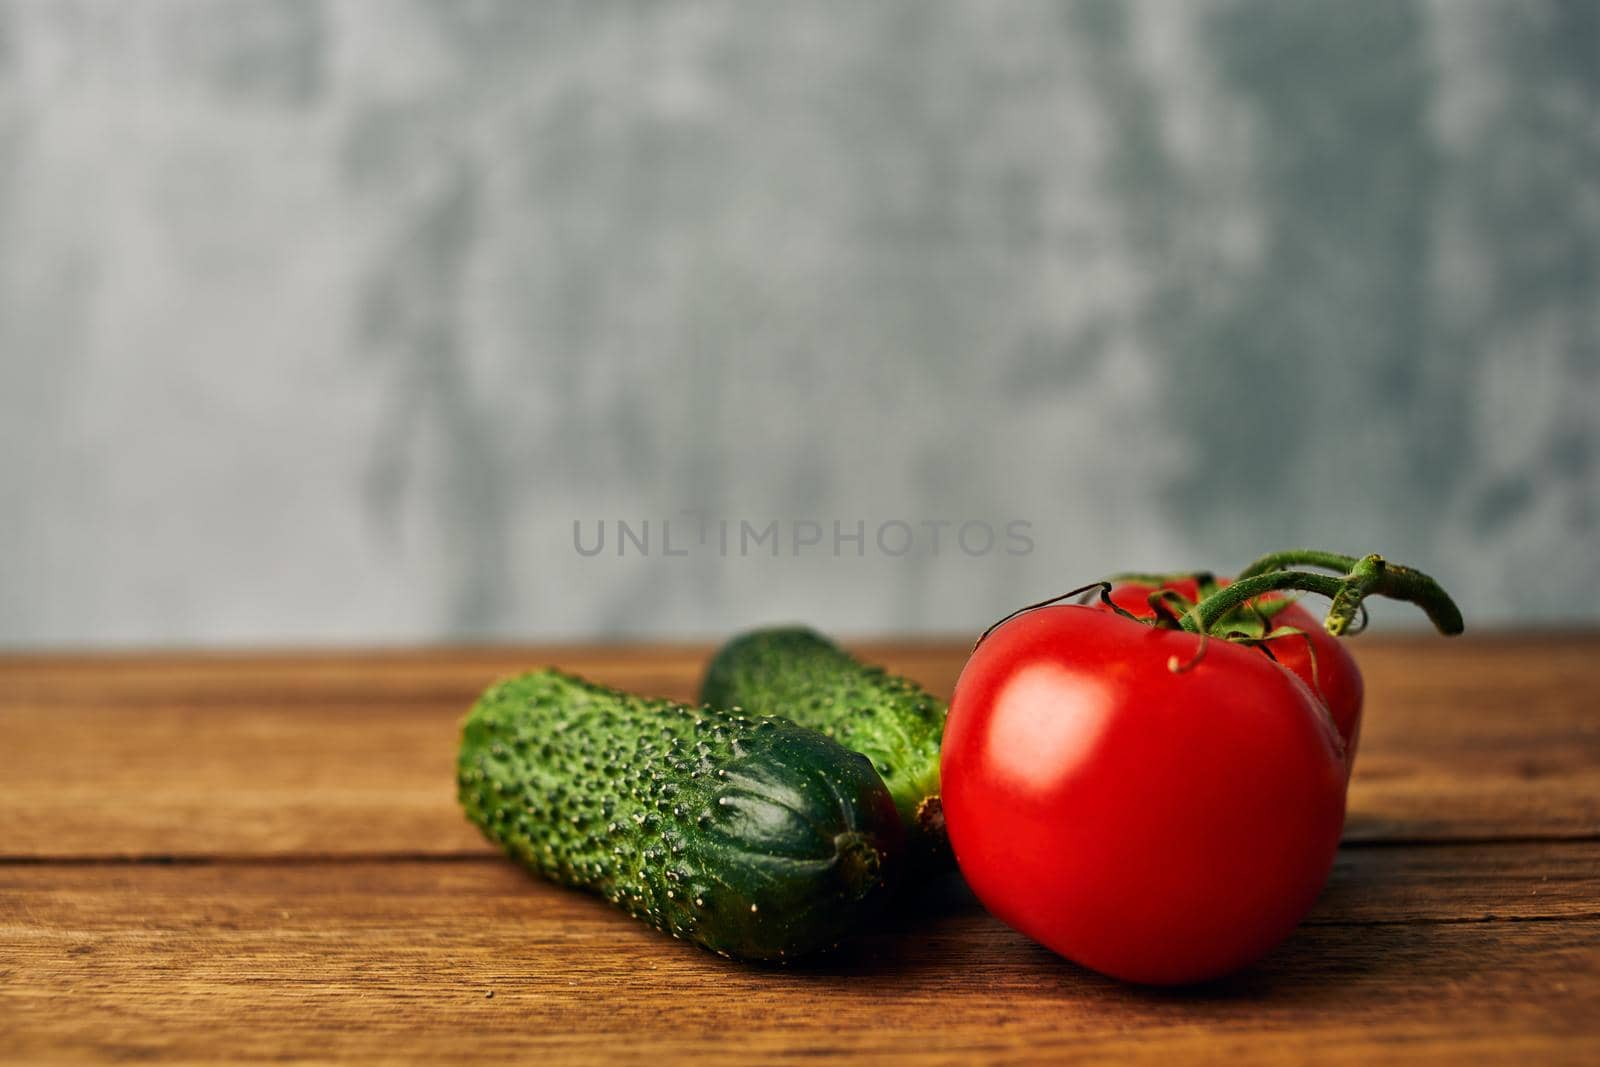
{"points": [[815, 841]]}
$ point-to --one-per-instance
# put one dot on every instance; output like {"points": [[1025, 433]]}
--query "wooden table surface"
{"points": [[211, 858]]}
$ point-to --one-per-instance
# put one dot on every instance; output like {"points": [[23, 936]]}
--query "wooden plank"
{"points": [[1463, 883], [351, 754], [240, 779], [1464, 953], [371, 676], [1485, 737]]}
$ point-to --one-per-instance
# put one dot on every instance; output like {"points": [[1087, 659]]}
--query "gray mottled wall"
{"points": [[326, 320]]}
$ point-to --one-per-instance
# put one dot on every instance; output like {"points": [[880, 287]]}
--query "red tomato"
{"points": [[1159, 826], [1318, 658]]}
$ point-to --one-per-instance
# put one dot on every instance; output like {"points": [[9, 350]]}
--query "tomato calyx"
{"points": [[1242, 610]]}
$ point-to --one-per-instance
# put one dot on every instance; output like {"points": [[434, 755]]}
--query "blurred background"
{"points": [[361, 322]]}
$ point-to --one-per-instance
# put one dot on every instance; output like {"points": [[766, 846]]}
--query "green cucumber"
{"points": [[751, 836], [891, 720]]}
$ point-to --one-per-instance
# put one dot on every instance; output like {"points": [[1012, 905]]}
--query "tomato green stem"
{"points": [[1299, 557], [1364, 577], [1204, 615]]}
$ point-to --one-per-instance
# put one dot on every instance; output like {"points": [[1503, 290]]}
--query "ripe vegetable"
{"points": [[1158, 798], [891, 720], [753, 837]]}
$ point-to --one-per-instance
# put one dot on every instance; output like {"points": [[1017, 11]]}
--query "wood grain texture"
{"points": [[198, 755], [252, 858], [253, 960]]}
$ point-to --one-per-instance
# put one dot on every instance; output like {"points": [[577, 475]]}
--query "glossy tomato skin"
{"points": [[1161, 827], [1316, 656]]}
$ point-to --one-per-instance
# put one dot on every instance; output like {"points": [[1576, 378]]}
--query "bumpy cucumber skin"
{"points": [[891, 720], [750, 836]]}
